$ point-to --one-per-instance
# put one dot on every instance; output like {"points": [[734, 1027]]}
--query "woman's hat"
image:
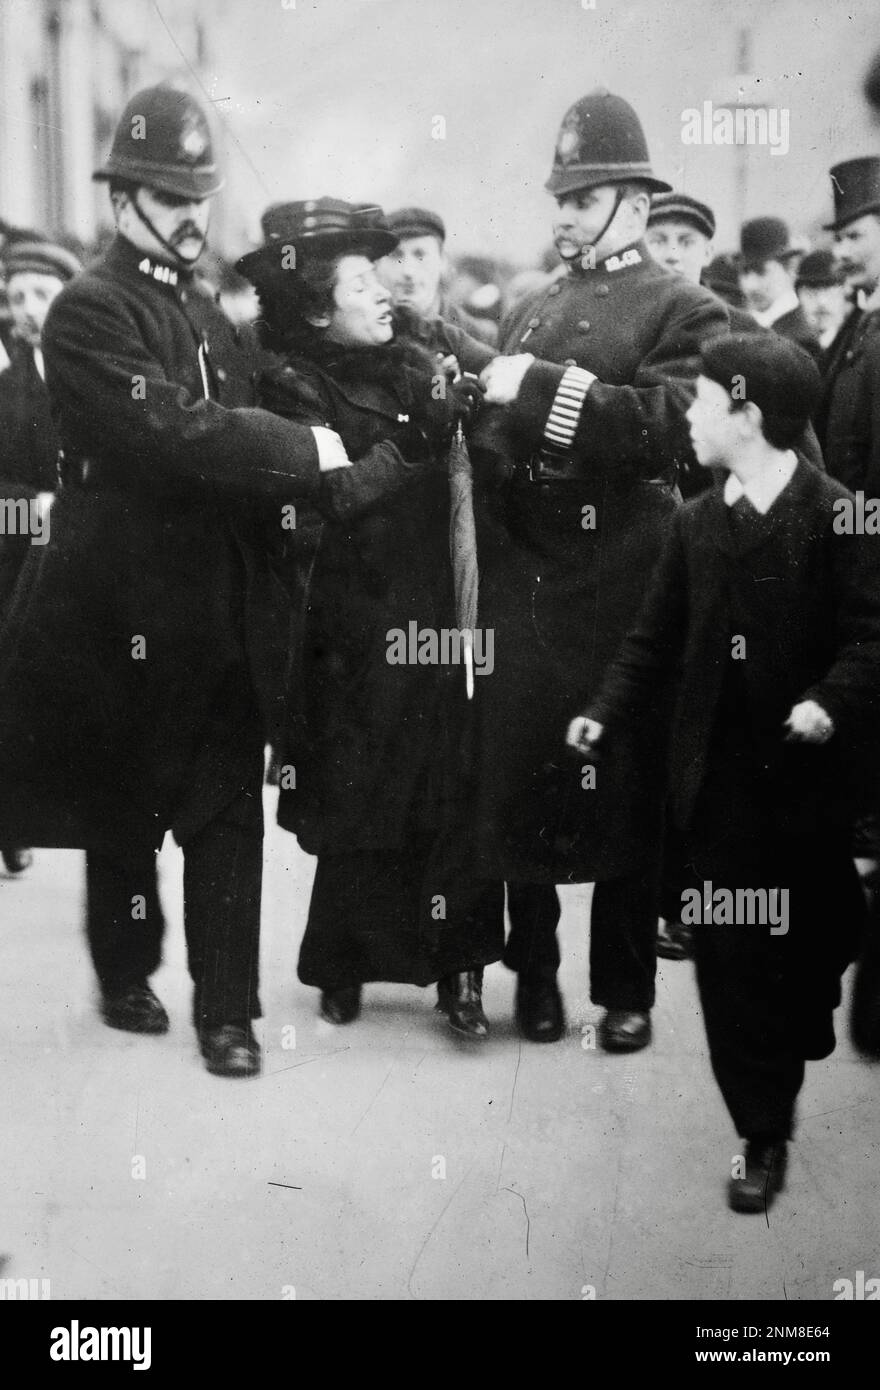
{"points": [[322, 226]]}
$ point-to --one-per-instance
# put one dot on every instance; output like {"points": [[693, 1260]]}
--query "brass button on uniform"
{"points": [[221, 373], [602, 289], [584, 326], [570, 362], [554, 289], [534, 323]]}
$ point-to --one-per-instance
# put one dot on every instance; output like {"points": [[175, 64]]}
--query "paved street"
{"points": [[386, 1160]]}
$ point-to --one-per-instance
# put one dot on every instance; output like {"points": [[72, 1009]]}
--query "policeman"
{"points": [[597, 373], [135, 685]]}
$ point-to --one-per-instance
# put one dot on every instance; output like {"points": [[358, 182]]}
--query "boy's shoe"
{"points": [[134, 1009], [766, 1162]]}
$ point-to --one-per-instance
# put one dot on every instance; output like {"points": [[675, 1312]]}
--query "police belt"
{"points": [[548, 466], [77, 470]]}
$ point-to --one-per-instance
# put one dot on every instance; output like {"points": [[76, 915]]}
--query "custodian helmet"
{"points": [[163, 141], [601, 141]]}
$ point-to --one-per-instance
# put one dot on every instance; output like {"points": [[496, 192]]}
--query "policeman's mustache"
{"points": [[187, 230]]}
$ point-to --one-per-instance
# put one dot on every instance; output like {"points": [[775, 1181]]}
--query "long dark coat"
{"points": [[370, 739], [135, 650], [795, 327], [807, 602], [847, 418], [28, 452], [560, 585]]}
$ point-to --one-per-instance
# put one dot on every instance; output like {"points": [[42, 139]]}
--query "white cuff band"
{"points": [[566, 409]]}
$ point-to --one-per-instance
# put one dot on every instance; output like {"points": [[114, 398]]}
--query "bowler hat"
{"points": [[679, 207], [721, 277], [601, 141], [322, 226], [818, 270], [764, 239], [416, 222], [856, 187], [40, 258], [773, 372]]}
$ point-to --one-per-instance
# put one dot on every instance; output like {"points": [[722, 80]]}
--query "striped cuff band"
{"points": [[566, 409]]}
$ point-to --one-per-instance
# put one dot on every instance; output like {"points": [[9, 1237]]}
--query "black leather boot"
{"points": [[341, 1005], [540, 1014], [766, 1162], [460, 998]]}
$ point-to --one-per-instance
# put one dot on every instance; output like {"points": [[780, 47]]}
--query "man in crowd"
{"points": [[767, 265], [135, 685], [597, 374], [680, 233], [847, 415], [848, 424], [821, 290], [415, 269], [35, 273]]}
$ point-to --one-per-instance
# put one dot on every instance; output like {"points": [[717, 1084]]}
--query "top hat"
{"points": [[40, 258], [764, 239], [679, 207], [416, 222], [818, 270], [322, 226], [856, 186], [163, 141], [601, 141]]}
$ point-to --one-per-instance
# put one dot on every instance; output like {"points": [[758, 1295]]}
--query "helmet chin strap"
{"points": [[154, 231], [618, 199]]}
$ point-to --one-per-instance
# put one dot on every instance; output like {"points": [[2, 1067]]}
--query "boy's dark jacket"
{"points": [[807, 602]]}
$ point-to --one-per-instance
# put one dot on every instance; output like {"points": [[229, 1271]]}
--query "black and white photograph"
{"points": [[440, 664]]}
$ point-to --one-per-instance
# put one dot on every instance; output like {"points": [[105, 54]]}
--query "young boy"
{"points": [[766, 609]]}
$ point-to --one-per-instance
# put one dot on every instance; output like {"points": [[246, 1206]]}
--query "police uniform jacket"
{"points": [[135, 653], [566, 554]]}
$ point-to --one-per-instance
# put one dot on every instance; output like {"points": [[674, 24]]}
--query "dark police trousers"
{"points": [[222, 879], [623, 937]]}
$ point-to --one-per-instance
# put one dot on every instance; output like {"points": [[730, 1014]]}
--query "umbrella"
{"points": [[463, 549]]}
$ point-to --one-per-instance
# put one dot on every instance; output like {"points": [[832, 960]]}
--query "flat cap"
{"points": [[40, 258], [679, 207], [416, 222], [779, 377]]}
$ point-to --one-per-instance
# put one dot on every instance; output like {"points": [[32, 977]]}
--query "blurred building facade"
{"points": [[67, 67]]}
